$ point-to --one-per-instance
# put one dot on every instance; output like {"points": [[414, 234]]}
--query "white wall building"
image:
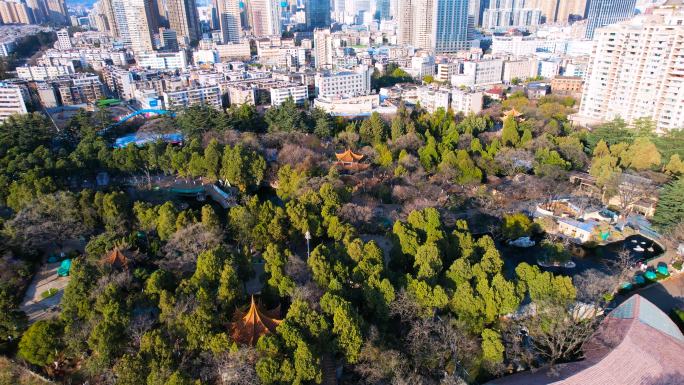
{"points": [[299, 93], [521, 69], [43, 72], [187, 97], [479, 73], [514, 45], [162, 61], [64, 40], [11, 101], [466, 101], [548, 68], [344, 84], [432, 98], [205, 56]]}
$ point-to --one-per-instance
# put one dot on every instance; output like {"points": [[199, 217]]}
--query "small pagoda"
{"points": [[257, 322], [514, 113], [116, 260], [350, 160]]}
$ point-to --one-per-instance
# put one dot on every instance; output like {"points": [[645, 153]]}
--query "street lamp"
{"points": [[307, 236]]}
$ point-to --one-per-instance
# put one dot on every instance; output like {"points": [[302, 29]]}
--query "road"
{"points": [[37, 307], [665, 294]]}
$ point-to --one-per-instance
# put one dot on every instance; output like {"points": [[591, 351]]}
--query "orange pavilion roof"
{"points": [[250, 326], [117, 260], [349, 157]]}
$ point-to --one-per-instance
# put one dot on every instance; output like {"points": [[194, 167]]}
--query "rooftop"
{"points": [[636, 344], [586, 226]]}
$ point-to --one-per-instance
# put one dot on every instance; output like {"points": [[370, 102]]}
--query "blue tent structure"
{"points": [[63, 271], [639, 279], [663, 270], [626, 285], [650, 275]]}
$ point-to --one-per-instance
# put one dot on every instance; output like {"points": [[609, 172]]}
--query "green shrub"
{"points": [[49, 293], [678, 265], [608, 297]]}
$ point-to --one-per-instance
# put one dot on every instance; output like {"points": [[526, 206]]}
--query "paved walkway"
{"points": [[37, 307]]}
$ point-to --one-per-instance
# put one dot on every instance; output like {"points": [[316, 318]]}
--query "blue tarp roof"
{"points": [[586, 226]]}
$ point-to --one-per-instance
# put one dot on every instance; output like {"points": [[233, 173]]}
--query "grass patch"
{"points": [[49, 293], [678, 265]]}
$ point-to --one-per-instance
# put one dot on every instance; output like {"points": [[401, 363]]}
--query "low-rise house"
{"points": [[576, 230]]}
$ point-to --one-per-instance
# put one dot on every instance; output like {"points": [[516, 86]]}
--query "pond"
{"points": [[584, 258]]}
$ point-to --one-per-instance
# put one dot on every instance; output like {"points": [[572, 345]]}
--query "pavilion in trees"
{"points": [[250, 326], [116, 260], [514, 113], [350, 160]]}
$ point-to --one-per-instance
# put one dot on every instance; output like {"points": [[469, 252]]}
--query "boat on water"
{"points": [[639, 248], [650, 249], [643, 243], [634, 241]]}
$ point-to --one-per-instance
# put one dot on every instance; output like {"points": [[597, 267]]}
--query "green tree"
{"points": [[670, 209], [510, 136], [675, 167], [516, 225], [641, 155], [492, 347], [242, 168], [546, 288], [428, 263], [41, 342], [428, 79], [12, 321]]}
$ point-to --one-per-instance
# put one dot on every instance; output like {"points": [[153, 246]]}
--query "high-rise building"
{"points": [[110, 14], [169, 39], [549, 8], [571, 10], [229, 18], [605, 12], [510, 13], [441, 26], [184, 19], [64, 40], [317, 13], [11, 101], [37, 8], [57, 11], [265, 17], [141, 21], [635, 71], [383, 7], [323, 48], [15, 13], [124, 33], [163, 15]]}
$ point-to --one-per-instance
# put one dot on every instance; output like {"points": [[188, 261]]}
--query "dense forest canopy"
{"points": [[415, 300]]}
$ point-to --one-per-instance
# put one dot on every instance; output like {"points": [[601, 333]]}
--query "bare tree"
{"points": [[237, 367], [139, 325], [592, 284], [511, 159], [185, 245], [50, 218], [622, 264]]}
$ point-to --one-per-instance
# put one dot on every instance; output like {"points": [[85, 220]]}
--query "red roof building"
{"points": [[250, 326], [636, 344]]}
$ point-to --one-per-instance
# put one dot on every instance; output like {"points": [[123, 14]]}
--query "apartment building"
{"points": [[566, 84], [299, 94], [11, 101], [637, 70], [344, 83], [514, 45], [511, 17], [240, 94], [446, 69], [323, 48], [43, 72], [208, 96], [162, 61], [432, 98], [118, 82], [233, 51], [466, 101], [479, 73], [64, 40], [521, 69]]}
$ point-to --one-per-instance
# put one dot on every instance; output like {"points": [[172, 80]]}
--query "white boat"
{"points": [[643, 243], [634, 241], [639, 248], [522, 242], [650, 249]]}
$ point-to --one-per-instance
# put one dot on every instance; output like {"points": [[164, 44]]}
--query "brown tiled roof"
{"points": [[636, 344], [250, 326], [117, 260], [348, 157]]}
